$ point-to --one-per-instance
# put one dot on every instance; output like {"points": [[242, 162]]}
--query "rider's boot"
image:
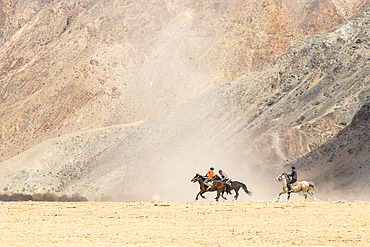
{"points": [[290, 189], [209, 188]]}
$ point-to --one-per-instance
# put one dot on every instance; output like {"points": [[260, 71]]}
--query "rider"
{"points": [[293, 179], [209, 178], [224, 177]]}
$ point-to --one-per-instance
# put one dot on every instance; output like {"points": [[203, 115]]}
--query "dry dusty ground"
{"points": [[184, 224]]}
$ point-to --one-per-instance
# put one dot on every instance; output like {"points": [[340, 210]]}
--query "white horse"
{"points": [[303, 186]]}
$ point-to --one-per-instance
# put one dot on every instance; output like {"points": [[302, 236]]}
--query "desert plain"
{"points": [[160, 223]]}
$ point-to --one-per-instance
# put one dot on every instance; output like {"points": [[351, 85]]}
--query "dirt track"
{"points": [[185, 224]]}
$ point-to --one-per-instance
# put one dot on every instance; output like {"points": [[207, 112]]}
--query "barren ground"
{"points": [[184, 223]]}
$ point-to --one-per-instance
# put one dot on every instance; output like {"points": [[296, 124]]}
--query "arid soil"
{"points": [[184, 224]]}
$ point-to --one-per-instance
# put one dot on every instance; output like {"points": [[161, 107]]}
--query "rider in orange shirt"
{"points": [[209, 178], [210, 173]]}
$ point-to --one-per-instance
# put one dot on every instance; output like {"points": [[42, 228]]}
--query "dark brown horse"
{"points": [[235, 185], [216, 186]]}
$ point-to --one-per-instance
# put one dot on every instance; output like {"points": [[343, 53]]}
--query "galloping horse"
{"points": [[235, 185], [303, 186], [216, 186]]}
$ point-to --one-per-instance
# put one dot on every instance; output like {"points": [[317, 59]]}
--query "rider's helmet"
{"points": [[220, 171], [212, 168], [293, 167]]}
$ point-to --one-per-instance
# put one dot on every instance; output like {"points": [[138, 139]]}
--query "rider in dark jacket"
{"points": [[224, 176], [293, 179]]}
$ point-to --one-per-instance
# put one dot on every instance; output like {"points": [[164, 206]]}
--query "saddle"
{"points": [[295, 183], [228, 182]]}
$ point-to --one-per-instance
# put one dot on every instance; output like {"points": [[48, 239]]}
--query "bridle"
{"points": [[196, 178], [281, 177]]}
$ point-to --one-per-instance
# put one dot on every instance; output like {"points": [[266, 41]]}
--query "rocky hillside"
{"points": [[67, 66], [250, 127], [341, 166]]}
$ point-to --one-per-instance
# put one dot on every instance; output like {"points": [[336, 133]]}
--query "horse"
{"points": [[235, 185], [216, 186], [303, 186]]}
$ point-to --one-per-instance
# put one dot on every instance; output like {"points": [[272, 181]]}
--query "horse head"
{"points": [[196, 178], [281, 177]]}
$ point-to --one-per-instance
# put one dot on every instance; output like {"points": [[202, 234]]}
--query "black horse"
{"points": [[235, 185]]}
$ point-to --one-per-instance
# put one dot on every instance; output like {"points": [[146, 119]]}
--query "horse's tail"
{"points": [[312, 185], [246, 190]]}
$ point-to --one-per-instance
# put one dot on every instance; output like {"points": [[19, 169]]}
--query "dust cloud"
{"points": [[170, 181]]}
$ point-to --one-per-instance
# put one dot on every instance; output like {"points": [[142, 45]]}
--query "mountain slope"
{"points": [[67, 66], [250, 128], [341, 166]]}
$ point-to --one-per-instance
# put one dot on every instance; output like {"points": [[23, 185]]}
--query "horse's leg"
{"points": [[201, 194], [227, 189], [218, 194], [311, 194], [305, 196], [196, 198], [236, 194], [278, 198], [222, 195]]}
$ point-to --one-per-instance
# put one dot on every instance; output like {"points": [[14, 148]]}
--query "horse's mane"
{"points": [[201, 176]]}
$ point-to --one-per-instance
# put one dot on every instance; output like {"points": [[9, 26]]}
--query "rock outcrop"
{"points": [[341, 166], [68, 66]]}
